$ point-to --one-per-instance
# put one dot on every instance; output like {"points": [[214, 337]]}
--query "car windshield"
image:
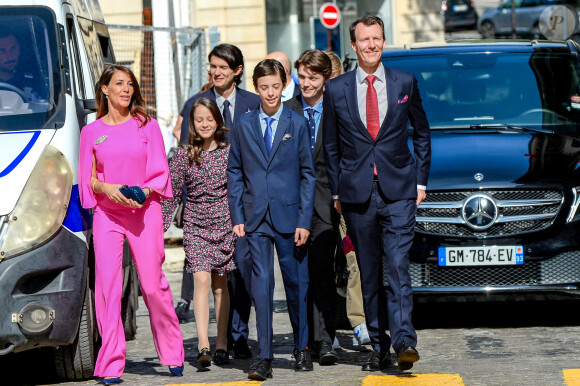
{"points": [[30, 79], [530, 90]]}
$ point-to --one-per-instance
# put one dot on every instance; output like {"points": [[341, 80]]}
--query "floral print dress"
{"points": [[208, 238]]}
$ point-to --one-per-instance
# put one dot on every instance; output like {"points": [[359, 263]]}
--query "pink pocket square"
{"points": [[405, 99]]}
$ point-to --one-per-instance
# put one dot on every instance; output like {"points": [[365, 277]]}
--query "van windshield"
{"points": [[531, 90], [30, 79]]}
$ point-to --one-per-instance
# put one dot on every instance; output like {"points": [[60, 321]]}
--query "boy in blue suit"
{"points": [[271, 186]]}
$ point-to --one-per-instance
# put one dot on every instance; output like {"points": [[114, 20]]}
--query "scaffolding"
{"points": [[169, 64]]}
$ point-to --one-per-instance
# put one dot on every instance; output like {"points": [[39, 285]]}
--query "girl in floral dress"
{"points": [[207, 229]]}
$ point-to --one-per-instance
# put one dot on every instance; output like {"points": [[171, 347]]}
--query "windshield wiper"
{"points": [[502, 127]]}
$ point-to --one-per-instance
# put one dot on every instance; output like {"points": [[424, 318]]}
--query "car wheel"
{"points": [[487, 30]]}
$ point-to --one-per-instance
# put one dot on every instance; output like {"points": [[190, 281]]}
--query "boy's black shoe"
{"points": [[303, 360], [261, 370]]}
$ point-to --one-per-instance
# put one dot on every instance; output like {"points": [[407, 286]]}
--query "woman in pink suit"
{"points": [[124, 146]]}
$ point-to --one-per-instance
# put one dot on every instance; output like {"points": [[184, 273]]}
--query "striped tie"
{"points": [[312, 124]]}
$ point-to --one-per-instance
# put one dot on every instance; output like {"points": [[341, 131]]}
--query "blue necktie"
{"points": [[268, 135], [227, 116], [312, 125]]}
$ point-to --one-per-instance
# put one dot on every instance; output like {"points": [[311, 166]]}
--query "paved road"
{"points": [[481, 344]]}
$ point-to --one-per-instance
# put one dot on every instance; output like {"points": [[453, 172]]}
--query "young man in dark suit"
{"points": [[271, 198], [314, 69], [378, 184], [226, 68]]}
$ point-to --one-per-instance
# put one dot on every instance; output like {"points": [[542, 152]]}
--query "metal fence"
{"points": [[169, 63]]}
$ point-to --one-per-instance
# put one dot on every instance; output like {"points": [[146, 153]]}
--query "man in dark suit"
{"points": [[226, 67], [377, 184], [271, 198], [314, 69]]}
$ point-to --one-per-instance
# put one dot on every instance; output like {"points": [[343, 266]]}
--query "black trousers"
{"points": [[322, 288]]}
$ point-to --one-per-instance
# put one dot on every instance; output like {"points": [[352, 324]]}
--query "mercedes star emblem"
{"points": [[480, 211]]}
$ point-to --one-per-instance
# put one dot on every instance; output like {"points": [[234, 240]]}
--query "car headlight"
{"points": [[42, 206], [574, 215]]}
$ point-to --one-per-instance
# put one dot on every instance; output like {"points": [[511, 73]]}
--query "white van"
{"points": [[51, 55]]}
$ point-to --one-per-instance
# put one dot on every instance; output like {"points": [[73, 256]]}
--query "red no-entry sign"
{"points": [[329, 15]]}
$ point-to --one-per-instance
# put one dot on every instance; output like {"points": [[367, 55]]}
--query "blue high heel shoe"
{"points": [[111, 381], [177, 371]]}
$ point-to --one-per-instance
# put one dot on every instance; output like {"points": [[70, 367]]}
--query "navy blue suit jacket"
{"points": [[351, 153], [245, 101], [284, 182]]}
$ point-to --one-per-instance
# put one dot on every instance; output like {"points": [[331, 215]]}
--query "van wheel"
{"points": [[77, 361], [487, 30], [130, 301]]}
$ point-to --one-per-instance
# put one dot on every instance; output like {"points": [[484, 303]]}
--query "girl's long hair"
{"points": [[137, 107], [195, 142]]}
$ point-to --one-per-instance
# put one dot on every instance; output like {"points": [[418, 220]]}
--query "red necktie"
{"points": [[373, 124]]}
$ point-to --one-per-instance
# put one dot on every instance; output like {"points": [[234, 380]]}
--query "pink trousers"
{"points": [[143, 229]]}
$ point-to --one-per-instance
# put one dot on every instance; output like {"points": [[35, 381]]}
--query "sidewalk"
{"points": [[284, 373]]}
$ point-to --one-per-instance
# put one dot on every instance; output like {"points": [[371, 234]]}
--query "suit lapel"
{"points": [[392, 93], [318, 143], [209, 94], [352, 103], [241, 105], [257, 131], [280, 131], [295, 104]]}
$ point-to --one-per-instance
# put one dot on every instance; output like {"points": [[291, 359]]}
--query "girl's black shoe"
{"points": [[204, 357], [221, 357]]}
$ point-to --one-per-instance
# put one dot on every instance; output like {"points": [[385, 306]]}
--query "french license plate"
{"points": [[460, 7], [482, 256]]}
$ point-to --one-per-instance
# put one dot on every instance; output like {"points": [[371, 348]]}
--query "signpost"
{"points": [[330, 18]]}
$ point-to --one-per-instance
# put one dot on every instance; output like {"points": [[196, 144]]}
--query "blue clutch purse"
{"points": [[133, 192]]}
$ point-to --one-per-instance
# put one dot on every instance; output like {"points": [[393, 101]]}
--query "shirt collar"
{"points": [[220, 99], [317, 107], [379, 73], [276, 116]]}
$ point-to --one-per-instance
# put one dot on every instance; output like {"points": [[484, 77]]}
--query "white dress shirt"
{"points": [[288, 92], [380, 85]]}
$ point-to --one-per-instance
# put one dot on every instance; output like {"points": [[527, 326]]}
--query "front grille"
{"points": [[519, 211], [563, 268]]}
